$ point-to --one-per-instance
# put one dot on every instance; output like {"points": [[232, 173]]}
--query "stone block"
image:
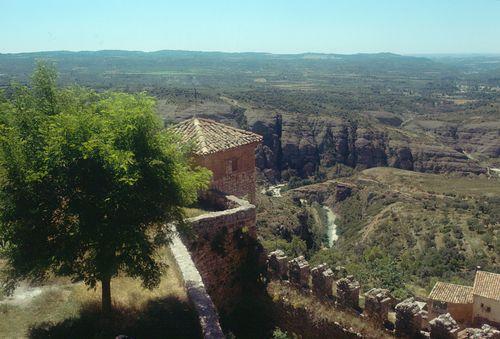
{"points": [[299, 271], [485, 332], [277, 264], [408, 318], [378, 302], [322, 281], [444, 327], [348, 292]]}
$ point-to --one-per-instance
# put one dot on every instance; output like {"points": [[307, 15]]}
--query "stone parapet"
{"points": [[485, 332], [277, 264], [348, 292], [195, 288], [411, 315], [378, 302], [299, 271], [408, 319], [322, 281], [444, 327], [219, 245]]}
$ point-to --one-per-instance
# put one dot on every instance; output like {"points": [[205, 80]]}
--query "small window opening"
{"points": [[440, 305], [231, 166]]}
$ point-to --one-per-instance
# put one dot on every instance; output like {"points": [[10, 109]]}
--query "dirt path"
{"points": [[25, 294]]}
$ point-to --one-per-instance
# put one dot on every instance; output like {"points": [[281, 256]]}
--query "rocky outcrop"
{"points": [[297, 145], [303, 146], [475, 135], [439, 159], [401, 157], [330, 192], [269, 153]]}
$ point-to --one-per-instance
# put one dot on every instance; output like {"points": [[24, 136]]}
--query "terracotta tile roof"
{"points": [[210, 136], [451, 293], [487, 284]]}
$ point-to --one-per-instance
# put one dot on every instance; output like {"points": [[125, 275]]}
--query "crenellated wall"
{"points": [[411, 319]]}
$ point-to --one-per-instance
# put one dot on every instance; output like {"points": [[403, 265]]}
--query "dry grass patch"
{"points": [[321, 311], [64, 310]]}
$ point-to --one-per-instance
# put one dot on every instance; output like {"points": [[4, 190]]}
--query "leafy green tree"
{"points": [[88, 182]]}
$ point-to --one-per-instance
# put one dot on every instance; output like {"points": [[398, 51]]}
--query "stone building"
{"points": [[223, 242], [476, 305], [486, 296], [453, 299], [227, 151]]}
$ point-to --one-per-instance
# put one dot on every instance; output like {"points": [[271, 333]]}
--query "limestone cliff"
{"points": [[302, 146]]}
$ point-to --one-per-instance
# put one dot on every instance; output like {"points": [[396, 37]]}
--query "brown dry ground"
{"points": [[65, 310], [319, 311]]}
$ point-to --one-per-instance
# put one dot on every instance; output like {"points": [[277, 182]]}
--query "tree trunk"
{"points": [[106, 296]]}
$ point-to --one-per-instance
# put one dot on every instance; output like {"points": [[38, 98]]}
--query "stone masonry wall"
{"points": [[238, 181], [205, 308], [460, 312], [301, 322], [411, 319], [219, 247]]}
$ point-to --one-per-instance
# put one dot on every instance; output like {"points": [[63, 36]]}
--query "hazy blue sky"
{"points": [[280, 26]]}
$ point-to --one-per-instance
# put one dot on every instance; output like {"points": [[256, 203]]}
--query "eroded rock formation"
{"points": [[300, 147]]}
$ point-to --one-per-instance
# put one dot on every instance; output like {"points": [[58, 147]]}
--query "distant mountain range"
{"points": [[80, 65]]}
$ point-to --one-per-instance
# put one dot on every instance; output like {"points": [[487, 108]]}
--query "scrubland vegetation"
{"points": [[338, 115], [398, 229]]}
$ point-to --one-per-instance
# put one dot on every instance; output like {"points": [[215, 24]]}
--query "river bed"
{"points": [[331, 230]]}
